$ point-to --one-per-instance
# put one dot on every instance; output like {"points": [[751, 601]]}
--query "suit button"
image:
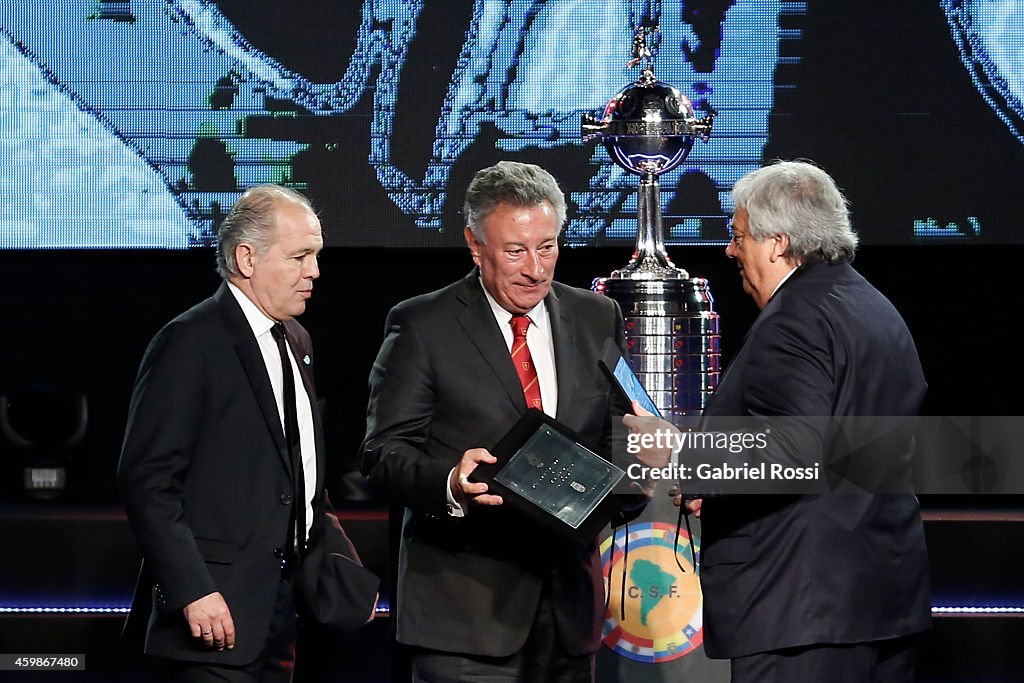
{"points": [[278, 553], [286, 499]]}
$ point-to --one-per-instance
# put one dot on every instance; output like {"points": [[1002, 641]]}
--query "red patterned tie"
{"points": [[524, 362]]}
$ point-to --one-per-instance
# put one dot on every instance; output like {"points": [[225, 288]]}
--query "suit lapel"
{"points": [[563, 336], [477, 320], [740, 359], [248, 351]]}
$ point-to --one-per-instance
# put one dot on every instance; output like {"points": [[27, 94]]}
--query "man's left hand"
{"points": [[642, 423]]}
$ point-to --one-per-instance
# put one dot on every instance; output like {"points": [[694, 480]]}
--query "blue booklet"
{"points": [[624, 379]]}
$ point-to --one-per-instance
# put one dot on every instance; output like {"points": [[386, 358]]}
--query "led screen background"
{"points": [[138, 123]]}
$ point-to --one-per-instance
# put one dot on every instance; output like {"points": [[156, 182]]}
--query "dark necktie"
{"points": [[524, 362], [291, 437]]}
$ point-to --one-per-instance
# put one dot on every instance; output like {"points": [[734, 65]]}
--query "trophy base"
{"points": [[658, 296], [672, 338]]}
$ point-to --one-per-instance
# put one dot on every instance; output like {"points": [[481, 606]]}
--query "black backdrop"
{"points": [[83, 319]]}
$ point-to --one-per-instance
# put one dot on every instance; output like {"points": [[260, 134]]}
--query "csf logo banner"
{"points": [[655, 606]]}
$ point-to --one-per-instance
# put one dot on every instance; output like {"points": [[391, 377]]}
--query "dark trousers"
{"points": [[542, 659], [882, 661], [276, 661]]}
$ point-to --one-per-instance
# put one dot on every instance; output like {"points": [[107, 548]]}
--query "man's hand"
{"points": [[638, 424], [693, 505], [643, 423], [640, 410], [373, 612], [466, 491], [210, 619]]}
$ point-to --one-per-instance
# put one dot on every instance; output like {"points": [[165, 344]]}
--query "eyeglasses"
{"points": [[734, 238], [737, 239]]}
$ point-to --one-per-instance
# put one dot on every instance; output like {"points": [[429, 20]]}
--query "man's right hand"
{"points": [[210, 620], [693, 505], [466, 491]]}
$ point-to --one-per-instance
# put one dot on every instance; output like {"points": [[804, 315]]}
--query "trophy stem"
{"points": [[650, 243], [650, 261]]}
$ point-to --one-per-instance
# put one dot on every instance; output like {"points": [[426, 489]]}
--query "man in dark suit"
{"points": [[479, 593], [827, 587], [222, 468]]}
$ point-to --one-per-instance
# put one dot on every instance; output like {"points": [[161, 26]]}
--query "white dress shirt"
{"points": [[783, 281], [541, 343], [261, 326]]}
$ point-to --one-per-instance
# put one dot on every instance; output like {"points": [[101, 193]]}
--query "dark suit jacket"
{"points": [[443, 383], [206, 479], [783, 571]]}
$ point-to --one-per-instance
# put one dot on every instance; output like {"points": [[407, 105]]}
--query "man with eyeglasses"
{"points": [[824, 587]]}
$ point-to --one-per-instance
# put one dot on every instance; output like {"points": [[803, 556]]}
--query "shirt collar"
{"points": [[538, 314], [257, 320], [782, 282]]}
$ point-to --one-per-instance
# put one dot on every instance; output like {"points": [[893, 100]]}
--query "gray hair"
{"points": [[801, 201], [510, 182], [251, 221]]}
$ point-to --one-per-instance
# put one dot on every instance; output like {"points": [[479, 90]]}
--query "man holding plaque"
{"points": [[827, 587], [481, 594]]}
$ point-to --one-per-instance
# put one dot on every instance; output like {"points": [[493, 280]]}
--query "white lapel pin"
{"points": [[305, 359]]}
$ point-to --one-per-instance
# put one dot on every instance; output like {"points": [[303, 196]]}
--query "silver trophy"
{"points": [[649, 128]]}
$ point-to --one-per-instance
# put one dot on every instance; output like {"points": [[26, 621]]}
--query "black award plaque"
{"points": [[544, 471]]}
